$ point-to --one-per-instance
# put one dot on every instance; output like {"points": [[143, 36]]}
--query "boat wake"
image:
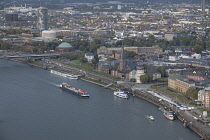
{"points": [[57, 85], [150, 117]]}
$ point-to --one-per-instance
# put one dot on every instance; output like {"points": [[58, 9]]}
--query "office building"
{"points": [[11, 17], [203, 6], [42, 18]]}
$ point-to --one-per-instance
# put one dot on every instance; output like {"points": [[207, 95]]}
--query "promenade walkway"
{"points": [[193, 120]]}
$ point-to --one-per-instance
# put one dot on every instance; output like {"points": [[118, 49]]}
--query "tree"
{"points": [[83, 59], [160, 56], [150, 77], [94, 61], [129, 54], [162, 70], [198, 49], [144, 78], [192, 93]]}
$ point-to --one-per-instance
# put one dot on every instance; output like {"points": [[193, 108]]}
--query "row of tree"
{"points": [[199, 44]]}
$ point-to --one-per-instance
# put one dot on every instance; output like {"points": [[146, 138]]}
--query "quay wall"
{"points": [[154, 101], [145, 96], [195, 129]]}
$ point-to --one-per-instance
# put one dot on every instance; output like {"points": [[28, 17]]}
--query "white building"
{"points": [[204, 96], [156, 76], [89, 57], [48, 34], [196, 56], [135, 74], [173, 58]]}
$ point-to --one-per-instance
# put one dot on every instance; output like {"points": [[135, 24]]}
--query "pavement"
{"points": [[189, 115], [134, 86]]}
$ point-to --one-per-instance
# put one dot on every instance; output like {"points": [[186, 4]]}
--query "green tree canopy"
{"points": [[192, 93], [162, 70], [129, 54], [146, 78]]}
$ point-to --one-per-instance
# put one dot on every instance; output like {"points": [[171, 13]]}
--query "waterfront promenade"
{"points": [[154, 97], [141, 91], [186, 116]]}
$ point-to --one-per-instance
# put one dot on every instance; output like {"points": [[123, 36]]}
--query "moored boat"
{"points": [[169, 115], [70, 76], [120, 93], [74, 90]]}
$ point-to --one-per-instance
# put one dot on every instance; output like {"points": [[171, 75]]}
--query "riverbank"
{"points": [[200, 129], [148, 97]]}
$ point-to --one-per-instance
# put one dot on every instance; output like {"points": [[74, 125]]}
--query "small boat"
{"points": [[151, 118], [74, 90], [120, 93], [169, 115], [185, 124]]}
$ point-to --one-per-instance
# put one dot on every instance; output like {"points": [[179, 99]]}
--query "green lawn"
{"points": [[85, 66], [171, 93]]}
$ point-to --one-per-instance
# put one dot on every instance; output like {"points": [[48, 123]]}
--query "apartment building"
{"points": [[204, 96], [180, 84]]}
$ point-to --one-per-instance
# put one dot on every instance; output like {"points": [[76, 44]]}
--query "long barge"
{"points": [[74, 90]]}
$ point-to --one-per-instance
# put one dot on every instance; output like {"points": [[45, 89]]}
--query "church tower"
{"points": [[122, 60]]}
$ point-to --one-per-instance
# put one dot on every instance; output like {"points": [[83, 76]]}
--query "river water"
{"points": [[32, 107]]}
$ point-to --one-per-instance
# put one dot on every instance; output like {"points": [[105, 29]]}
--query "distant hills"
{"points": [[123, 1], [137, 1]]}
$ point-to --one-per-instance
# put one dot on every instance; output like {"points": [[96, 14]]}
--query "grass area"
{"points": [[172, 93], [203, 109], [76, 61], [102, 83], [165, 79], [85, 66]]}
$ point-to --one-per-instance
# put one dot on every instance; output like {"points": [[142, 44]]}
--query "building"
{"points": [[204, 96], [149, 50], [135, 74], [180, 84], [11, 17], [89, 57], [203, 6], [49, 34], [170, 36], [64, 47], [122, 65], [104, 69], [66, 33], [155, 74], [42, 18], [138, 50]]}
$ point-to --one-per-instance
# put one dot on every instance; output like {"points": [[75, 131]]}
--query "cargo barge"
{"points": [[74, 90]]}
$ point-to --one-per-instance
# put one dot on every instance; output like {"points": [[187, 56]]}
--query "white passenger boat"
{"points": [[169, 115], [120, 93], [70, 76]]}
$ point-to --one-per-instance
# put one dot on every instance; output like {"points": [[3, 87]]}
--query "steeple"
{"points": [[122, 61], [203, 6]]}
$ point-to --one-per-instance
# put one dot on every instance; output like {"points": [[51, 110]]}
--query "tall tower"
{"points": [[122, 60], [42, 18], [203, 6]]}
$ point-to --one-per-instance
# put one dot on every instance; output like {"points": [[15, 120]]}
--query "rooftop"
{"points": [[65, 45]]}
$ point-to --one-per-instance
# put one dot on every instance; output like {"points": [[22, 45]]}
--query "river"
{"points": [[32, 107]]}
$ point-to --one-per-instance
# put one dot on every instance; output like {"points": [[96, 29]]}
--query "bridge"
{"points": [[33, 56]]}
